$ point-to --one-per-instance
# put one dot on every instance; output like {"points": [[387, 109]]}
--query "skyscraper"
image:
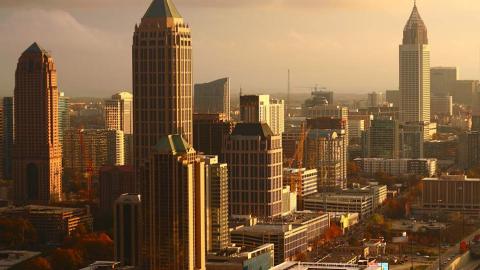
{"points": [[118, 112], [213, 97], [216, 198], [167, 169], [174, 202], [162, 78], [443, 80], [63, 115], [37, 154], [415, 71], [383, 139], [254, 156]]}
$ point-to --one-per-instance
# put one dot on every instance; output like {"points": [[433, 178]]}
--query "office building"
{"points": [[52, 223], [1, 143], [119, 112], [263, 109], [37, 153], [465, 92], [451, 194], [113, 182], [445, 151], [398, 167], [443, 80], [212, 97], [383, 139], [216, 207], [127, 229], [290, 140], [327, 266], [8, 136], [210, 133], [301, 181], [87, 150], [412, 136], [289, 201], [63, 115], [128, 148], [468, 154], [355, 129], [375, 99], [236, 258], [254, 156], [178, 199], [441, 105], [338, 202], [326, 146], [415, 71], [338, 112], [393, 97], [290, 234]]}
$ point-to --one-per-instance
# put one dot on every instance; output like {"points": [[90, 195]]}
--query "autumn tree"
{"points": [[16, 233], [66, 259], [38, 263]]}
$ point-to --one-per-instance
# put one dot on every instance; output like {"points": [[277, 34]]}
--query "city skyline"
{"points": [[84, 30]]}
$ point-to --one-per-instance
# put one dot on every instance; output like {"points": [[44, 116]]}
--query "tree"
{"points": [[38, 263], [333, 232], [353, 169], [66, 259], [16, 233]]}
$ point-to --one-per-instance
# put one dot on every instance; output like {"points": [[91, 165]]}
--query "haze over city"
{"points": [[349, 46]]}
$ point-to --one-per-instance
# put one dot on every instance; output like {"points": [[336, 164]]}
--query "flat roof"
{"points": [[9, 258]]}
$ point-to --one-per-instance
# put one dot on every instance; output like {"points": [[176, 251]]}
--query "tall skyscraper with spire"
{"points": [[37, 154], [167, 169], [415, 71]]}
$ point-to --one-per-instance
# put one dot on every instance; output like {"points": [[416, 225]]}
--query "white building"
{"points": [[262, 109], [398, 167]]}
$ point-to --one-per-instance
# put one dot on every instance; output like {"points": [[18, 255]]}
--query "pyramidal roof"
{"points": [[415, 31], [162, 9], [34, 48], [172, 144]]}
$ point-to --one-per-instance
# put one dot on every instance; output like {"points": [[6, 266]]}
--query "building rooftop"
{"points": [[10, 258], [172, 144], [322, 266], [35, 48], [162, 9], [252, 129], [415, 31], [449, 177], [40, 209]]}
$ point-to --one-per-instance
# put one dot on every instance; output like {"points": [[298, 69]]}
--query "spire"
{"points": [[415, 31], [162, 9], [34, 48]]}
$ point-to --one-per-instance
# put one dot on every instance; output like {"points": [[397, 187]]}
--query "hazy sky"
{"points": [[345, 45]]}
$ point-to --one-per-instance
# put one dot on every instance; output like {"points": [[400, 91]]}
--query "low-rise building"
{"points": [[451, 193], [303, 181], [52, 223], [236, 258], [290, 235], [398, 167], [15, 259], [324, 266], [340, 202]]}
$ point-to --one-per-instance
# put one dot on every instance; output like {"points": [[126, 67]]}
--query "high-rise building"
{"points": [[92, 148], [118, 112], [1, 144], [319, 97], [113, 182], [63, 115], [412, 135], [393, 96], [254, 156], [210, 132], [383, 139], [216, 195], [443, 80], [162, 46], [441, 105], [127, 229], [262, 109], [212, 97], [37, 153], [468, 153], [173, 204], [8, 137], [465, 91], [301, 181], [174, 201], [326, 149], [375, 99], [415, 71]]}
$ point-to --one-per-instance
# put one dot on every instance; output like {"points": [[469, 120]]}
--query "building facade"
{"points": [[127, 229], [383, 139], [398, 167], [254, 155], [8, 136], [119, 112], [210, 133], [415, 71], [441, 105], [263, 109], [212, 97], [113, 182], [443, 80], [37, 153]]}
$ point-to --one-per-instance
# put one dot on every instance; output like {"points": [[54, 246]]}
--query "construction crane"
{"points": [[87, 166], [296, 178]]}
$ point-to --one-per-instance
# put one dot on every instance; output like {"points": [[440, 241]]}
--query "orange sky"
{"points": [[345, 45]]}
